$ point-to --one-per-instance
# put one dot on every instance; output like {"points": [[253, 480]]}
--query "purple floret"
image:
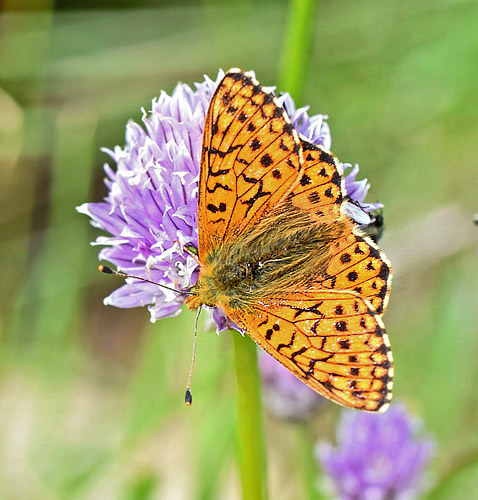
{"points": [[285, 395]]}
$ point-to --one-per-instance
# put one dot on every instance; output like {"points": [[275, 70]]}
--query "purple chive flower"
{"points": [[377, 457], [284, 394], [150, 212]]}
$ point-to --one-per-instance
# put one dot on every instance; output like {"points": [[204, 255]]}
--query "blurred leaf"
{"points": [[11, 135], [48, 305], [74, 471], [215, 441], [461, 484], [159, 384], [308, 469], [152, 397], [142, 488], [435, 356]]}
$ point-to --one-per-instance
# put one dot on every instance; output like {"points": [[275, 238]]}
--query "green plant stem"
{"points": [[296, 49], [251, 442]]}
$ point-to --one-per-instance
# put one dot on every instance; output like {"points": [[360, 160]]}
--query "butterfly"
{"points": [[280, 256]]}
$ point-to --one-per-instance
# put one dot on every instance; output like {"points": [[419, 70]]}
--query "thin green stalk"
{"points": [[251, 442], [297, 45]]}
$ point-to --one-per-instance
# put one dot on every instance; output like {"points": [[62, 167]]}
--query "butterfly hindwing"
{"points": [[356, 263], [250, 158], [333, 341]]}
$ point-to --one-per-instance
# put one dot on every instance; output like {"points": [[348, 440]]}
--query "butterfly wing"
{"points": [[329, 335], [333, 341], [321, 189], [251, 156], [355, 261]]}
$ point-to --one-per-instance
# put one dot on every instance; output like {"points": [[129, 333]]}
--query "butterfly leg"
{"points": [[188, 251]]}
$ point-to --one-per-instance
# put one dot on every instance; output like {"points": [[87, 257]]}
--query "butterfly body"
{"points": [[287, 245], [279, 255]]}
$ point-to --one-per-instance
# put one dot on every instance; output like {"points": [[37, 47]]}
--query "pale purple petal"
{"points": [[223, 323]]}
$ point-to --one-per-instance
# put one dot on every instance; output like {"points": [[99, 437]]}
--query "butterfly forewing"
{"points": [[333, 341], [320, 190], [251, 156]]}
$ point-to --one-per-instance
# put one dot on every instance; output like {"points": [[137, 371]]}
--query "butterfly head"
{"points": [[206, 291], [226, 279]]}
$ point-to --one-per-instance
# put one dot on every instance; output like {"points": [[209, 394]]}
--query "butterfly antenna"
{"points": [[108, 270], [188, 398]]}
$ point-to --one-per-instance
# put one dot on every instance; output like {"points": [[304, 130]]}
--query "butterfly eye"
{"points": [[379, 220], [244, 271], [251, 270]]}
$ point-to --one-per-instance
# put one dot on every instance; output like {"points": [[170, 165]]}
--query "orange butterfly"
{"points": [[281, 257]]}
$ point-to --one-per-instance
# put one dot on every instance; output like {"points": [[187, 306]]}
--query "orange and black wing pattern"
{"points": [[355, 261], [251, 156], [327, 330], [333, 341], [320, 190]]}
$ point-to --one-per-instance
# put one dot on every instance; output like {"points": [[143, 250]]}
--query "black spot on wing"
{"points": [[266, 160]]}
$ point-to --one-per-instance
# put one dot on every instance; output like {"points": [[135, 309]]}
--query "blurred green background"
{"points": [[91, 396]]}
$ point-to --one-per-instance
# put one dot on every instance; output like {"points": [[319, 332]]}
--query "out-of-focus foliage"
{"points": [[91, 397]]}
